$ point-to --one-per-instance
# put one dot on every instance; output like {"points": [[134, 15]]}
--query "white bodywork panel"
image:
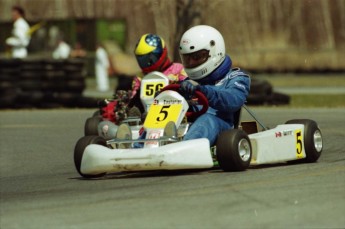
{"points": [[150, 84], [281, 144], [192, 154]]}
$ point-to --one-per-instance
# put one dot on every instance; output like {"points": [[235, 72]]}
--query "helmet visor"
{"points": [[148, 60], [192, 60]]}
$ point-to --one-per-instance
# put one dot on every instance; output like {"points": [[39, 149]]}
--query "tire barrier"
{"points": [[262, 93], [43, 83]]}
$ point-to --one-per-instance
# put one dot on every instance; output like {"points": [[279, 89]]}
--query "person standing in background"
{"points": [[20, 38], [62, 51], [101, 67]]}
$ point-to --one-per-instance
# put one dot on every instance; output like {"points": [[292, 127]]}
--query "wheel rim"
{"points": [[318, 140], [244, 149]]}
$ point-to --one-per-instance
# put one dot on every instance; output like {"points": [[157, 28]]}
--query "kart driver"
{"points": [[152, 55], [202, 51]]}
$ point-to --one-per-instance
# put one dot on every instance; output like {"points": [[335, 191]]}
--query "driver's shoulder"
{"points": [[235, 74]]}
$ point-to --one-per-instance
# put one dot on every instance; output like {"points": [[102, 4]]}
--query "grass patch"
{"points": [[317, 100], [304, 80]]}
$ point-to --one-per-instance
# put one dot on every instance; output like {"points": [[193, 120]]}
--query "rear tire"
{"points": [[234, 150], [91, 126], [313, 142], [79, 152]]}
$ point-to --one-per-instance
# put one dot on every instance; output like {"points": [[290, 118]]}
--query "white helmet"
{"points": [[202, 50]]}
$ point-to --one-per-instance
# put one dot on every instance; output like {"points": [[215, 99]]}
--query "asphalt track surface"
{"points": [[40, 187]]}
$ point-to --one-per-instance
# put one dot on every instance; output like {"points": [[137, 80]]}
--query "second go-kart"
{"points": [[113, 112], [164, 149]]}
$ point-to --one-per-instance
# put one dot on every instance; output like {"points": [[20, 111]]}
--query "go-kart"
{"points": [[113, 112], [235, 149]]}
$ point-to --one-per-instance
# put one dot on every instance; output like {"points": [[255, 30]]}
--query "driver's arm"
{"points": [[230, 96]]}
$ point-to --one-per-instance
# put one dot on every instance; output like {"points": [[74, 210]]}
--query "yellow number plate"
{"points": [[159, 115], [299, 144], [151, 88]]}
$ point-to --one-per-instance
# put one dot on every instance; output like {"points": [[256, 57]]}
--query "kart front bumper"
{"points": [[191, 154]]}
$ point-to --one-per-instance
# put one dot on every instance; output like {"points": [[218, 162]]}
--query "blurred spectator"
{"points": [[20, 38], [62, 51], [78, 51], [101, 67]]}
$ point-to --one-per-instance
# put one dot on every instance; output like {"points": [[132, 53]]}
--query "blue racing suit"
{"points": [[225, 95]]}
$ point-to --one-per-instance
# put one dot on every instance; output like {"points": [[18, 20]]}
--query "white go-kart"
{"points": [[163, 148], [98, 125]]}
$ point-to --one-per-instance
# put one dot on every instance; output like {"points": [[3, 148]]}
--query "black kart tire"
{"points": [[97, 114], [234, 150], [75, 86], [87, 102], [54, 75], [91, 126], [256, 99], [30, 97], [79, 152], [7, 100], [31, 64], [68, 99], [53, 64], [6, 85], [277, 98], [312, 139], [75, 75], [31, 75], [30, 85], [9, 74], [261, 87]]}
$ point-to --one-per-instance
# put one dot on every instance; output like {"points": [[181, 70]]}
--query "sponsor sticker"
{"points": [[283, 133], [153, 135]]}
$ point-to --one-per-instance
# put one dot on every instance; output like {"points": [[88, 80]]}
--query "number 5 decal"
{"points": [[299, 144], [164, 112], [159, 115]]}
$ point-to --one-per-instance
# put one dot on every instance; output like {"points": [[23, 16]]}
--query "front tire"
{"points": [[91, 126], [234, 150], [79, 152], [97, 114], [313, 142]]}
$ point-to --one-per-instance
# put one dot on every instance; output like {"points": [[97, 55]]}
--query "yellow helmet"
{"points": [[151, 53]]}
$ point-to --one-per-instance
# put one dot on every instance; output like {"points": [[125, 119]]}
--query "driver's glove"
{"points": [[188, 88]]}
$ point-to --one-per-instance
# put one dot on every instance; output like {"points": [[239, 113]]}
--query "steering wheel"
{"points": [[202, 100]]}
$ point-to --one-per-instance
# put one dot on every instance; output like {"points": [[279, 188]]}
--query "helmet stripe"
{"points": [[142, 47]]}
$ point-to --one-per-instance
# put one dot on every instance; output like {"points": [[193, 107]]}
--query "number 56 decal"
{"points": [[151, 88], [299, 144]]}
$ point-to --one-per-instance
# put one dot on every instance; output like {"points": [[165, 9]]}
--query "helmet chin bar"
{"points": [[204, 69]]}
